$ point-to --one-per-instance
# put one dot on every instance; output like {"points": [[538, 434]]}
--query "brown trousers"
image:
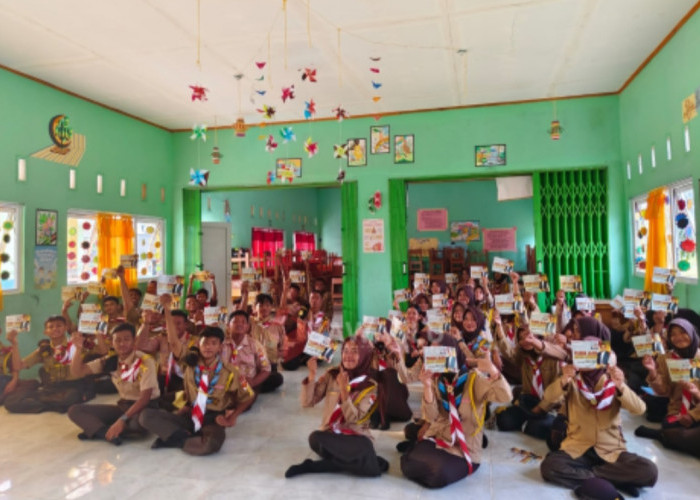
{"points": [[92, 418], [350, 453], [164, 424]]}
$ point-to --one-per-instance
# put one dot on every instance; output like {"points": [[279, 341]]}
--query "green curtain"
{"points": [[398, 234], [349, 229], [192, 230], [571, 228]]}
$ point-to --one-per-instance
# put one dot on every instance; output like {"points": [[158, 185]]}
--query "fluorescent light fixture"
{"points": [[686, 136], [629, 171], [122, 188], [653, 157], [668, 149], [639, 163], [99, 183], [21, 169], [71, 178]]}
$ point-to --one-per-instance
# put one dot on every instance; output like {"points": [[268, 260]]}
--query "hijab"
{"points": [[469, 292], [480, 322], [690, 351], [365, 350]]}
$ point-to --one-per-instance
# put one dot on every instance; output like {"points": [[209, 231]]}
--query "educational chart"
{"points": [[373, 235]]}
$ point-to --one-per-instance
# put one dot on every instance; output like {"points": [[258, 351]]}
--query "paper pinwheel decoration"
{"points": [[216, 155], [374, 70], [376, 98], [375, 59], [340, 150], [309, 109], [267, 111], [287, 93], [270, 145], [376, 85], [199, 93], [199, 177], [340, 113], [271, 177], [199, 132], [261, 92], [287, 134], [310, 74], [260, 65], [310, 147]]}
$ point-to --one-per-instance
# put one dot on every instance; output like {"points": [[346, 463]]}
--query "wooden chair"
{"points": [[435, 263], [530, 259], [337, 291], [454, 259], [415, 261]]}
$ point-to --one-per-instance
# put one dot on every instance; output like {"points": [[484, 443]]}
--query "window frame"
{"points": [[18, 243]]}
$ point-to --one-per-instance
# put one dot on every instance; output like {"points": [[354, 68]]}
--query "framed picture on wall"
{"points": [[491, 155], [288, 169], [379, 139], [46, 227], [357, 152], [404, 151]]}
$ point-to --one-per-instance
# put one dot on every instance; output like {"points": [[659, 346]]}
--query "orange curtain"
{"points": [[115, 237], [656, 239]]}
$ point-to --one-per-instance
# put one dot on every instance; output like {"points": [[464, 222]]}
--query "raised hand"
{"points": [[649, 363], [568, 372], [486, 366], [617, 376], [426, 378]]}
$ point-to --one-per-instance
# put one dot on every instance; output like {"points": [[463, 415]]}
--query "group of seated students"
{"points": [[186, 381]]}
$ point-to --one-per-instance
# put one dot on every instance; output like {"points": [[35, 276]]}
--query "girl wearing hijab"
{"points": [[680, 430], [465, 296], [343, 442], [475, 341], [594, 446], [538, 362], [454, 407], [389, 366]]}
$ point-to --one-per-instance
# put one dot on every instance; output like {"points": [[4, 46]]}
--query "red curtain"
{"points": [[304, 242], [266, 241]]}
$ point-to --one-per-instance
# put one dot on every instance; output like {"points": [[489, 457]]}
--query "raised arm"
{"points": [[214, 299], [174, 341], [124, 290], [77, 367]]}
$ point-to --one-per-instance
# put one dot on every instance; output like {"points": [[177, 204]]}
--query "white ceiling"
{"points": [[140, 56]]}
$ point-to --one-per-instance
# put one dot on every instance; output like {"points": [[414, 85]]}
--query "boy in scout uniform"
{"points": [[215, 393], [135, 376], [59, 388]]}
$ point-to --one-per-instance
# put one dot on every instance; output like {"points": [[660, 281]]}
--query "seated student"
{"points": [[415, 337], [195, 315], [680, 429], [594, 445], [171, 372], [243, 351], [9, 375], [294, 343], [202, 295], [539, 363], [215, 394], [135, 376], [344, 440], [474, 342], [290, 303], [318, 321], [59, 388], [454, 406], [320, 286], [392, 392], [422, 302], [268, 330], [150, 337]]}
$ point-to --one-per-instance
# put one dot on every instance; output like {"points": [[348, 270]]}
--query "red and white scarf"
{"points": [[130, 373], [200, 403], [337, 418], [537, 388], [602, 399], [456, 431], [63, 354]]}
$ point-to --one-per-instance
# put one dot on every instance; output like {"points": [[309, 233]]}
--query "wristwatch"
{"points": [[124, 417]]}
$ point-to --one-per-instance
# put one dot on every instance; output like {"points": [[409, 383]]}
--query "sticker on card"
{"points": [[18, 322], [664, 276], [370, 327], [250, 274], [421, 283], [320, 346], [215, 316], [590, 354], [542, 324], [92, 323], [505, 303], [296, 276], [618, 302], [478, 272], [151, 302], [172, 284], [439, 301], [570, 283], [501, 265], [129, 261], [535, 283], [201, 275], [397, 330], [437, 321], [440, 359], [585, 304], [680, 369], [451, 278], [91, 308], [401, 295], [648, 345]]}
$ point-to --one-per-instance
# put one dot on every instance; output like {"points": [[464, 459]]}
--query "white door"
{"points": [[216, 257]]}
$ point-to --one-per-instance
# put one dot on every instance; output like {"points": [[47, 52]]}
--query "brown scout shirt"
{"points": [[55, 371], [147, 377], [356, 409], [271, 336], [663, 386]]}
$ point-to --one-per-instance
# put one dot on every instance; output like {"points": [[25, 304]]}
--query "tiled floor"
{"points": [[41, 458]]}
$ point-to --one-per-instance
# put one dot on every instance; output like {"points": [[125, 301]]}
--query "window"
{"points": [[265, 242], [680, 230], [10, 247], [83, 240], [304, 242]]}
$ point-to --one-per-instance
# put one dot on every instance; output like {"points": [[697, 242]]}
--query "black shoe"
{"points": [[647, 432], [117, 441], [484, 441], [84, 437], [631, 490], [383, 464], [302, 468], [404, 446], [158, 443]]}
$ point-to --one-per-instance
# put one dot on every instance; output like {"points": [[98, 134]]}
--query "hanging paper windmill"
{"points": [[287, 134], [287, 93], [309, 109], [199, 93], [270, 145], [199, 132], [199, 177], [260, 65], [267, 111], [261, 92], [375, 59], [310, 147], [309, 74], [340, 113], [376, 85], [340, 150]]}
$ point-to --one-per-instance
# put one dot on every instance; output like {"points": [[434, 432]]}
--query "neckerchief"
{"points": [[63, 354], [478, 344], [451, 397], [337, 418], [204, 390], [537, 388], [602, 399], [130, 373]]}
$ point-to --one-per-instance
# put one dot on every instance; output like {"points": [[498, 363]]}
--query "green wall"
{"points": [[463, 200], [445, 143], [116, 147], [650, 111], [289, 208]]}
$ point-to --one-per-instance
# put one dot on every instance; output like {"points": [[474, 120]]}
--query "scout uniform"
{"points": [[251, 359], [678, 403], [58, 389], [135, 374], [271, 335], [594, 445], [450, 448], [225, 389]]}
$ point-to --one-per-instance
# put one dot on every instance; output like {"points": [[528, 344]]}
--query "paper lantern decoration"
{"points": [[239, 128]]}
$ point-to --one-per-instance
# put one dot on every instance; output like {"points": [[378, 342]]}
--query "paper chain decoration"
{"points": [[199, 177], [199, 132]]}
